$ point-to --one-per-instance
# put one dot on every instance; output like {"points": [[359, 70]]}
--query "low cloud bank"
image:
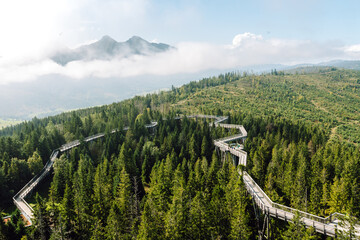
{"points": [[247, 49]]}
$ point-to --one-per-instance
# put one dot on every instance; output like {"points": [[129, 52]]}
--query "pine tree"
{"points": [[149, 154], [176, 217], [299, 195], [337, 200], [67, 209], [119, 221], [259, 167], [198, 226], [157, 202], [83, 187], [61, 172], [126, 160], [101, 196], [218, 215], [204, 147], [236, 203], [193, 148], [152, 223], [145, 172], [296, 229], [35, 163], [113, 228], [41, 220], [211, 178]]}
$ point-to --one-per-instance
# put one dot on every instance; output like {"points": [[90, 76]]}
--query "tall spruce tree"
{"points": [[41, 220], [177, 216], [236, 203]]}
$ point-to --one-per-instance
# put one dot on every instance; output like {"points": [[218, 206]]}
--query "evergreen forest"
{"points": [[170, 183]]}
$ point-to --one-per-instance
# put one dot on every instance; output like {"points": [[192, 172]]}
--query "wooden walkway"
{"points": [[327, 226], [19, 198]]}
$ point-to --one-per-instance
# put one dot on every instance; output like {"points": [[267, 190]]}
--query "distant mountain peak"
{"points": [[107, 38], [135, 38], [107, 48]]}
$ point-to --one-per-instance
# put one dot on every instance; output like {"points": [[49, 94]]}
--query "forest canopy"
{"points": [[303, 136]]}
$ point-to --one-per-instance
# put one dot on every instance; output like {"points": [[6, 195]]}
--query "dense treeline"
{"points": [[23, 156], [168, 186], [297, 166], [26, 147], [171, 184]]}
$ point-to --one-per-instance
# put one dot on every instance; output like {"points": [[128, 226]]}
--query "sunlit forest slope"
{"points": [[303, 150]]}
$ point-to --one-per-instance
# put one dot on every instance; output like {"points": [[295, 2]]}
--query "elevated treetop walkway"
{"points": [[327, 226]]}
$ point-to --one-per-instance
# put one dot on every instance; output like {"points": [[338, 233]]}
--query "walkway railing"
{"points": [[19, 198], [327, 225]]}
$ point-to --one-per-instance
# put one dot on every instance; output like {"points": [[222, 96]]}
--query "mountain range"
{"points": [[40, 98], [107, 48]]}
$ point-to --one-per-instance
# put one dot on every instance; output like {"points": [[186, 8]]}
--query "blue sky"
{"points": [[207, 34], [219, 21]]}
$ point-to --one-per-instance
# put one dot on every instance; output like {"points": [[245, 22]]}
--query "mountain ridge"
{"points": [[108, 48]]}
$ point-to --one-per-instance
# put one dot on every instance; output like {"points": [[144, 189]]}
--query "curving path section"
{"points": [[19, 198], [327, 226]]}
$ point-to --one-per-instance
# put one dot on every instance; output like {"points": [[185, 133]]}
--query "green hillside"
{"points": [[329, 99], [302, 145]]}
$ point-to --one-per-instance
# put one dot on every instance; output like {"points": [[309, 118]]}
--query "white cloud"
{"points": [[353, 48], [245, 37], [28, 26], [188, 57]]}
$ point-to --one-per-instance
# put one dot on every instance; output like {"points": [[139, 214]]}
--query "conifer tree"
{"points": [[337, 199], [176, 217], [157, 202], [101, 196], [296, 229], [35, 163], [152, 223], [217, 213], [83, 187], [198, 226], [113, 228], [193, 148], [119, 221], [41, 220], [211, 178], [67, 209], [236, 203], [204, 147]]}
